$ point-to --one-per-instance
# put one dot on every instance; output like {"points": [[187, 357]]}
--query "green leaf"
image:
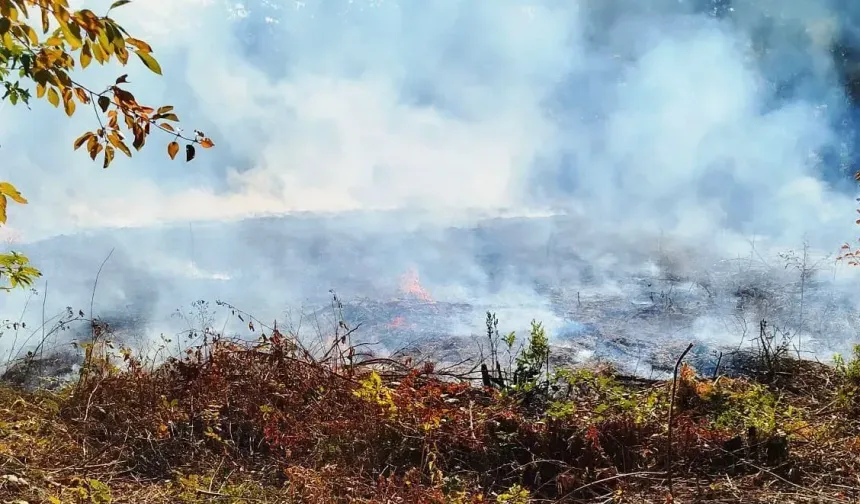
{"points": [[118, 3], [149, 61]]}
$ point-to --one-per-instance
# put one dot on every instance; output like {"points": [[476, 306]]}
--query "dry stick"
{"points": [[672, 415], [88, 360], [717, 369], [44, 302], [96, 284], [611, 478]]}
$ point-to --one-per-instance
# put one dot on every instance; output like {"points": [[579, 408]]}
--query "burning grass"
{"points": [[266, 422]]}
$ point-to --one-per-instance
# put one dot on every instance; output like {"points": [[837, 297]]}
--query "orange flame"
{"points": [[410, 286], [397, 322]]}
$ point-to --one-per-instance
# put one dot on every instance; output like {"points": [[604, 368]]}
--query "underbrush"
{"points": [[265, 421]]}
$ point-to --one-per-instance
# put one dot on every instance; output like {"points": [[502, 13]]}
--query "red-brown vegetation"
{"points": [[264, 422]]}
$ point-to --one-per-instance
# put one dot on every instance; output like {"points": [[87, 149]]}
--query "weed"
{"points": [[514, 495], [848, 391]]}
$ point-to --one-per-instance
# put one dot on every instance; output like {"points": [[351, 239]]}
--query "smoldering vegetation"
{"points": [[681, 146], [425, 292]]}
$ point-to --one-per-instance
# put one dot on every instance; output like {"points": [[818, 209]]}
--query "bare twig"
{"points": [[672, 415], [93, 296]]}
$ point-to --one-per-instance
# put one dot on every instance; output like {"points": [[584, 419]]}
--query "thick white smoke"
{"points": [[706, 124]]}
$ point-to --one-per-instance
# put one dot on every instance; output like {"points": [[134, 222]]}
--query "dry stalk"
{"points": [[672, 415]]}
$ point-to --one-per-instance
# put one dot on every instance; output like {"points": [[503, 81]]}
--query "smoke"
{"points": [[690, 126]]}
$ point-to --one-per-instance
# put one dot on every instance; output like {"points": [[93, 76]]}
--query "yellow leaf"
{"points": [[173, 149], [98, 54], [86, 55], [10, 190], [117, 142], [45, 24], [2, 209], [112, 120], [71, 33], [82, 96], [83, 138], [114, 36], [23, 6], [9, 11], [108, 156], [143, 46], [40, 90], [149, 61], [68, 102], [105, 44], [31, 34], [53, 97], [91, 143], [95, 149], [122, 54]]}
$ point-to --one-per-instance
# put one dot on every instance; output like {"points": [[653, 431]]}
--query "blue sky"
{"points": [[647, 112]]}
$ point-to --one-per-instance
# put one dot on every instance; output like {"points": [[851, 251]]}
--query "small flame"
{"points": [[397, 322], [411, 287]]}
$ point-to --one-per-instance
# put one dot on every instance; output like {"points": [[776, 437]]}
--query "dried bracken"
{"points": [[267, 422]]}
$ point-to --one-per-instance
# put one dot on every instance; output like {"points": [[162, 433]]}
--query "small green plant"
{"points": [[526, 364], [533, 359], [495, 375], [559, 410], [514, 495], [91, 491], [373, 390], [604, 394], [756, 406], [848, 392], [849, 370], [16, 269]]}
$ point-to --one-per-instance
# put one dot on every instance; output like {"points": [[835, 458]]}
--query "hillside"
{"points": [[265, 421]]}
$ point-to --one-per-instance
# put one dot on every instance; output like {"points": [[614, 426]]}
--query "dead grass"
{"points": [[264, 422]]}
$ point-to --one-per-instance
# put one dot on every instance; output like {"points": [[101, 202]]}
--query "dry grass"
{"points": [[265, 422]]}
